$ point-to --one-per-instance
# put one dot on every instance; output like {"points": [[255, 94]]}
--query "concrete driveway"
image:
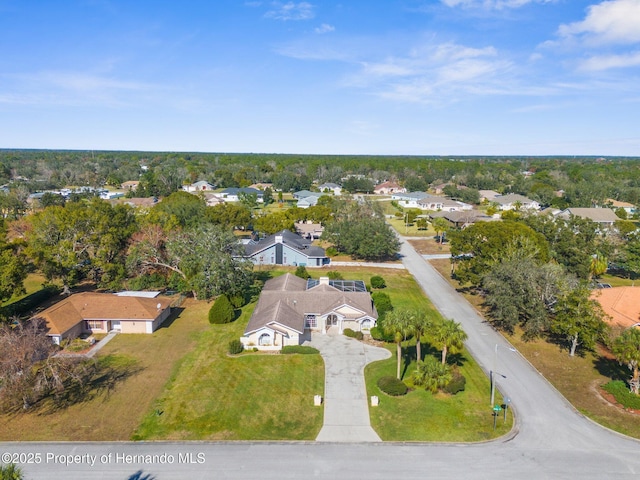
{"points": [[346, 407]]}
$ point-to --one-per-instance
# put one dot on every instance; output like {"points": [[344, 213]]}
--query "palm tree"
{"points": [[10, 472], [432, 374], [626, 348], [598, 265], [398, 323], [448, 336], [440, 225], [419, 324]]}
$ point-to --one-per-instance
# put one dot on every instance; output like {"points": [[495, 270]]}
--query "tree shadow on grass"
{"points": [[610, 368]]}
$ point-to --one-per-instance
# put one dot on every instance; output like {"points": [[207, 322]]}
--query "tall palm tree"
{"points": [[398, 323], [440, 225], [419, 324], [448, 336]]}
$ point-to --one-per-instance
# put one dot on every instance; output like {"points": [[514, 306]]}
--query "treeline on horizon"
{"points": [[584, 180]]}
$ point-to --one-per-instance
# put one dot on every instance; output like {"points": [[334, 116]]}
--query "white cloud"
{"points": [[605, 62], [610, 22], [290, 11], [324, 28], [492, 4]]}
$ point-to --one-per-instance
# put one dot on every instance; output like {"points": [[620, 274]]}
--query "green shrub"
{"points": [[382, 302], [221, 311], [331, 252], [29, 302], [301, 272], [457, 384], [333, 275], [235, 347], [238, 301], [620, 390], [377, 333], [353, 334], [302, 349], [392, 386], [378, 282]]}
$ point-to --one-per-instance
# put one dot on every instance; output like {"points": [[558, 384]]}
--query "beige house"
{"points": [[387, 188], [602, 216], [290, 308], [88, 312]]}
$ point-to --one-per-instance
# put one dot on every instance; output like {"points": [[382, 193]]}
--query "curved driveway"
{"points": [[552, 440]]}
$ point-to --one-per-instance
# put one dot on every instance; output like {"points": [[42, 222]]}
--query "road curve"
{"points": [[552, 440]]}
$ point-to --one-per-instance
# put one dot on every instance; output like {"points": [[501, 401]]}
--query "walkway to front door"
{"points": [[346, 409]]}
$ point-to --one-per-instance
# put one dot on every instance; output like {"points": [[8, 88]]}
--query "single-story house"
{"points": [[306, 193], [488, 195], [409, 199], [212, 199], [630, 208], [232, 194], [130, 185], [387, 188], [622, 304], [432, 202], [330, 187], [603, 216], [463, 218], [200, 186], [290, 308], [103, 312], [512, 201], [285, 248], [307, 202], [309, 230]]}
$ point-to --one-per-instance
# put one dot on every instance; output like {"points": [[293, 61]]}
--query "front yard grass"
{"points": [[252, 396], [422, 416]]}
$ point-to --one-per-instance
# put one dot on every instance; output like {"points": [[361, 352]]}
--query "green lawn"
{"points": [[214, 396]]}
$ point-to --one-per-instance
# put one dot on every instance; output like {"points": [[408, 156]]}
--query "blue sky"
{"points": [[417, 77]]}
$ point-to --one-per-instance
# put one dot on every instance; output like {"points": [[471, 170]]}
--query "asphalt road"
{"points": [[550, 440]]}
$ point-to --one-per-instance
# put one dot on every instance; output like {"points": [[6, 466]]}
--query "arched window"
{"points": [[265, 339], [332, 320], [366, 324]]}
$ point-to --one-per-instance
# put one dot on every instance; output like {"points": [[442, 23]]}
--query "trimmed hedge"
{"points": [[392, 386], [29, 302], [456, 385], [378, 282], [620, 390], [221, 311], [235, 347], [302, 349], [353, 334]]}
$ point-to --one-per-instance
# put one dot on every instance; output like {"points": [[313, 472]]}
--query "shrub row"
{"points": [[302, 349], [353, 334], [392, 386]]}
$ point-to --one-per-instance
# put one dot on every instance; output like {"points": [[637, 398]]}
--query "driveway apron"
{"points": [[346, 409]]}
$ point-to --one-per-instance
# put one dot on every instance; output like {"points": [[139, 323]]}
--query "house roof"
{"points": [[288, 238], [237, 191], [285, 300], [306, 194], [598, 215], [67, 313], [622, 304], [412, 195], [466, 216], [329, 185], [512, 198]]}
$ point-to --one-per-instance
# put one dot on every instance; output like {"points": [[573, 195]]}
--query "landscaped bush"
{"points": [[392, 386], [302, 349], [620, 390], [221, 311], [333, 275], [301, 272], [378, 282], [377, 333], [238, 301], [457, 384], [235, 347], [382, 302], [331, 252], [353, 334]]}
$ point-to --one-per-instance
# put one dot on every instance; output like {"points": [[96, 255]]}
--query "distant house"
{"points": [[139, 203], [305, 194], [103, 312], [330, 187], [488, 195], [630, 208], [307, 202], [602, 216], [233, 194], [432, 202], [285, 248], [290, 308], [212, 199], [200, 186], [131, 185], [387, 188], [513, 201], [463, 218], [409, 199], [621, 304], [309, 230]]}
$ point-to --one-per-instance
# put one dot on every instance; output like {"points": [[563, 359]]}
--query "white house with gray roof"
{"points": [[290, 308], [513, 201], [285, 248]]}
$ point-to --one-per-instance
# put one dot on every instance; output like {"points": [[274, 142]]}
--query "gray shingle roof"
{"points": [[289, 238]]}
